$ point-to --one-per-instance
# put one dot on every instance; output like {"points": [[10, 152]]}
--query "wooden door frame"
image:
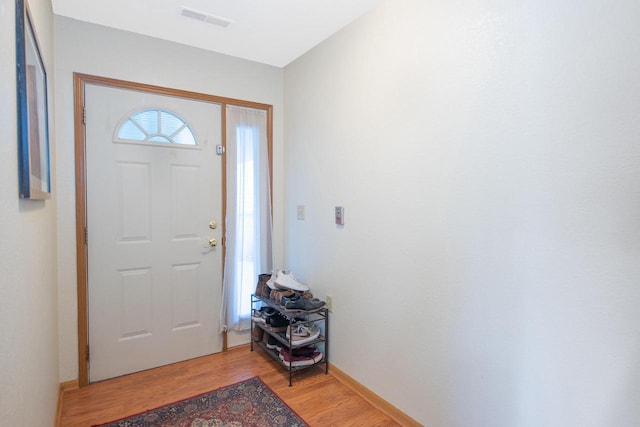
{"points": [[79, 83]]}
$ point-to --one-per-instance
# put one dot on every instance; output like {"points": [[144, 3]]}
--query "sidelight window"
{"points": [[249, 249]]}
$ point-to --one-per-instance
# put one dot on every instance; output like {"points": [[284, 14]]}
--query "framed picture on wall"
{"points": [[33, 127]]}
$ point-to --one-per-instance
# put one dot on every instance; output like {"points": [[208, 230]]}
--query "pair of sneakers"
{"points": [[277, 323], [305, 356], [282, 279], [302, 333], [263, 314], [299, 302]]}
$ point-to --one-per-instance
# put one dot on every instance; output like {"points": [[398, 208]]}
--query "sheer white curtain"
{"points": [[248, 219]]}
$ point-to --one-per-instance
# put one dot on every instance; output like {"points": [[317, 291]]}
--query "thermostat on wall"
{"points": [[339, 215]]}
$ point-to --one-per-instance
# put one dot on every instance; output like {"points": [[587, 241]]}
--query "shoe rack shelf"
{"points": [[294, 317]]}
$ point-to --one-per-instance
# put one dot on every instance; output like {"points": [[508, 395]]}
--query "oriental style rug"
{"points": [[247, 403]]}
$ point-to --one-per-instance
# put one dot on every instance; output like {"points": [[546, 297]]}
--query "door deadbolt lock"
{"points": [[213, 225]]}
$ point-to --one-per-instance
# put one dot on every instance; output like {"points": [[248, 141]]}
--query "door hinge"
{"points": [[86, 353], [86, 236], [84, 115]]}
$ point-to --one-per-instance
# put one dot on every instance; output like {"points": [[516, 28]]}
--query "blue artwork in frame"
{"points": [[33, 127]]}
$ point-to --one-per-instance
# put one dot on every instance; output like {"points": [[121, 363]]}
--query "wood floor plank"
{"points": [[321, 400]]}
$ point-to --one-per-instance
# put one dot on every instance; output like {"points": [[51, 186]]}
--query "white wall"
{"points": [[28, 297], [96, 50], [487, 154]]}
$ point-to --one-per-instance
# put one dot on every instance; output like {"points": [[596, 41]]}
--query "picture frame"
{"points": [[33, 113]]}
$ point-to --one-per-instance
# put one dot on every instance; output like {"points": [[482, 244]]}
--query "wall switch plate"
{"points": [[301, 212], [329, 302]]}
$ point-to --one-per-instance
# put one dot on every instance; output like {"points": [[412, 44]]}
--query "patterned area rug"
{"points": [[247, 403]]}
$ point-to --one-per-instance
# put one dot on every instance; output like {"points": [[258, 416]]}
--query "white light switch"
{"points": [[301, 212]]}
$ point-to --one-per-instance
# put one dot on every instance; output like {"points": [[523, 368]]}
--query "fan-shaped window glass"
{"points": [[156, 126]]}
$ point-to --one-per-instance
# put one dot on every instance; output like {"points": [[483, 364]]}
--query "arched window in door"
{"points": [[157, 126]]}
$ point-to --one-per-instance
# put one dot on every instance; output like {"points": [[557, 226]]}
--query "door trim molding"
{"points": [[79, 82]]}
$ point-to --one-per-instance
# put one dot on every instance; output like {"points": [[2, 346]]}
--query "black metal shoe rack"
{"points": [[321, 314]]}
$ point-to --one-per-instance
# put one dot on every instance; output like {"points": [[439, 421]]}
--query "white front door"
{"points": [[154, 283]]}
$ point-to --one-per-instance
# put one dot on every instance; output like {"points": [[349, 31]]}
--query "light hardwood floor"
{"points": [[321, 400]]}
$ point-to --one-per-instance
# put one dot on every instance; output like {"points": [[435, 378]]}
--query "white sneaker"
{"points": [[303, 334], [257, 317], [271, 283], [287, 280]]}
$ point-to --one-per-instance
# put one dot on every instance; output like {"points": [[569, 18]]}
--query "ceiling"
{"points": [[273, 32]]}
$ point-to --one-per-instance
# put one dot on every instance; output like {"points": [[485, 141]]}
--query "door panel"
{"points": [[154, 286]]}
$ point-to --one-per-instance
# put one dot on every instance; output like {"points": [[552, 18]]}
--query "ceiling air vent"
{"points": [[205, 17]]}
